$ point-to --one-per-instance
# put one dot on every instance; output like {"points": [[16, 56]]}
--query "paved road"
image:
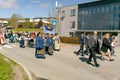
{"points": [[63, 65]]}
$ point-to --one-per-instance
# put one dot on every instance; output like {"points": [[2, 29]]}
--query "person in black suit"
{"points": [[87, 44], [81, 41], [106, 47], [93, 46]]}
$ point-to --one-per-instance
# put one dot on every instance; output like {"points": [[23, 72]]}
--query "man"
{"points": [[81, 41], [93, 45], [87, 44]]}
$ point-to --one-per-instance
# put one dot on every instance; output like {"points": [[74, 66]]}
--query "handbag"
{"points": [[50, 50], [41, 51]]}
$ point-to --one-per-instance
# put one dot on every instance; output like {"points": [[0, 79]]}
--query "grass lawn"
{"points": [[9, 70], [5, 69], [27, 29]]}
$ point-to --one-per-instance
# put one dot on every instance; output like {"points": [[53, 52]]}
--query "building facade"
{"points": [[68, 20], [102, 15]]}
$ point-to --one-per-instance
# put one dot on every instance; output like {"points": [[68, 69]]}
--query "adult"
{"points": [[106, 47], [87, 44], [93, 46], [81, 41], [56, 42], [39, 43]]}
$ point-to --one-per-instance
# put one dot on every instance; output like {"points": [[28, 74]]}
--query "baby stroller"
{"points": [[30, 43], [22, 43]]}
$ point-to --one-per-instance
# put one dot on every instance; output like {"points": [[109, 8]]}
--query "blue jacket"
{"points": [[39, 42], [48, 42]]}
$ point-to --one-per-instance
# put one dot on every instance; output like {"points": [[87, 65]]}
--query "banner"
{"points": [[50, 30]]}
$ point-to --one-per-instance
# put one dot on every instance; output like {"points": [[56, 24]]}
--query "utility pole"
{"points": [[57, 18]]}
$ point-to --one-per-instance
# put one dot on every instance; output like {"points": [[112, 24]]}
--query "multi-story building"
{"points": [[68, 21], [102, 15]]}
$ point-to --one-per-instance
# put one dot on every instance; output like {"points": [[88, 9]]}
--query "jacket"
{"points": [[39, 42]]}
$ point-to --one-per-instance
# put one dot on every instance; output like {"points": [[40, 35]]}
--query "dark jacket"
{"points": [[39, 42], [94, 44], [86, 40], [106, 45], [81, 39]]}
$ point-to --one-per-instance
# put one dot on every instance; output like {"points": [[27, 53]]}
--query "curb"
{"points": [[26, 70]]}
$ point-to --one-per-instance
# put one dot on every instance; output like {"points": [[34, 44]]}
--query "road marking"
{"points": [[15, 45], [7, 46]]}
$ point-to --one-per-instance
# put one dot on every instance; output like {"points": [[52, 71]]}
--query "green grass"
{"points": [[27, 29], [5, 69]]}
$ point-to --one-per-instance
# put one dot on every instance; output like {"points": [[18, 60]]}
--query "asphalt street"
{"points": [[63, 65]]}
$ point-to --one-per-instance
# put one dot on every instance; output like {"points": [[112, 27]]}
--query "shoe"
{"points": [[89, 61], [111, 60], [97, 65], [82, 55], [77, 53]]}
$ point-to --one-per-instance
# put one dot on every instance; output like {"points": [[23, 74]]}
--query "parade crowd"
{"points": [[48, 43], [93, 47], [43, 43]]}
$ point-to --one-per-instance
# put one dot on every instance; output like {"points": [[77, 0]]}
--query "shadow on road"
{"points": [[83, 59]]}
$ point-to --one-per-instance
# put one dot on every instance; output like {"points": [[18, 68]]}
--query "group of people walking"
{"points": [[93, 47], [46, 44]]}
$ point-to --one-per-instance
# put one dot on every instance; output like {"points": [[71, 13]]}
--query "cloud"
{"points": [[44, 5], [36, 1], [8, 4]]}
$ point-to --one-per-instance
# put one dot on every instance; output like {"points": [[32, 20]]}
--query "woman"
{"points": [[106, 47], [39, 44], [56, 42]]}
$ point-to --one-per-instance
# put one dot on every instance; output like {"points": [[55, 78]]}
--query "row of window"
{"points": [[72, 13], [99, 9]]}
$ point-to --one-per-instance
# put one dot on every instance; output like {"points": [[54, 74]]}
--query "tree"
{"points": [[27, 22], [13, 22]]}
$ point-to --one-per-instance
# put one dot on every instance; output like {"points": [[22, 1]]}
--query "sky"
{"points": [[33, 8]]}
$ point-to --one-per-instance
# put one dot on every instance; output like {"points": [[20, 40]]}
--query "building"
{"points": [[102, 15], [68, 20]]}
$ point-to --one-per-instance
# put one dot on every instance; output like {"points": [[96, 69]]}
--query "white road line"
{"points": [[7, 46], [15, 45]]}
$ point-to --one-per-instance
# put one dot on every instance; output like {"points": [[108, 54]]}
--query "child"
{"points": [[113, 44], [48, 44]]}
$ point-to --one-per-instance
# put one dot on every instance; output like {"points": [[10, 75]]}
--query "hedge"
{"points": [[70, 40]]}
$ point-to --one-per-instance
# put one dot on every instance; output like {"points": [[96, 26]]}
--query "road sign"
{"points": [[54, 22]]}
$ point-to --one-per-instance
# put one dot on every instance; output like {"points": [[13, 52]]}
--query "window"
{"points": [[63, 13], [72, 12], [72, 24]]}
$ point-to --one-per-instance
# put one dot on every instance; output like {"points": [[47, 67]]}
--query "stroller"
{"points": [[30, 43], [22, 42]]}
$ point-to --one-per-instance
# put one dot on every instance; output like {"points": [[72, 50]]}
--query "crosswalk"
{"points": [[6, 47]]}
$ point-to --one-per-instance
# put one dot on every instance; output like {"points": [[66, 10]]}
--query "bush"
{"points": [[70, 40]]}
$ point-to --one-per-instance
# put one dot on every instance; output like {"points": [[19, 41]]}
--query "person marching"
{"points": [[81, 41], [93, 46], [106, 47], [48, 44], [56, 40], [87, 44], [39, 46]]}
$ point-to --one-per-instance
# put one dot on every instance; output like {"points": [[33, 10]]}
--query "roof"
{"points": [[95, 3]]}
